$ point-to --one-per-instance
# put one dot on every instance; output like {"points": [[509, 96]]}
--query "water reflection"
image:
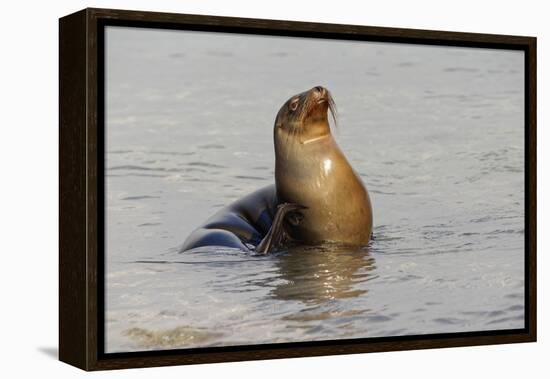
{"points": [[315, 275]]}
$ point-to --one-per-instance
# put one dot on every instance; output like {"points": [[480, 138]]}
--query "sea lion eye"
{"points": [[294, 104]]}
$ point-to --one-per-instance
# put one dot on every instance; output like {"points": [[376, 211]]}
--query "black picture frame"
{"points": [[81, 181]]}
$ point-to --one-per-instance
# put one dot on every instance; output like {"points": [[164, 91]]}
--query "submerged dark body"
{"points": [[317, 196], [242, 224]]}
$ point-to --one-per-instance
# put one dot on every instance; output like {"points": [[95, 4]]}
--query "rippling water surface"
{"points": [[436, 133]]}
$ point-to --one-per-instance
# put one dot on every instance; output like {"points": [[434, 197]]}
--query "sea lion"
{"points": [[317, 196]]}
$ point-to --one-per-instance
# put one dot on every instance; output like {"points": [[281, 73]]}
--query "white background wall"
{"points": [[28, 163]]}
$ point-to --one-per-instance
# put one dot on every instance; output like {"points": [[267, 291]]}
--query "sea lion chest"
{"points": [[318, 175]]}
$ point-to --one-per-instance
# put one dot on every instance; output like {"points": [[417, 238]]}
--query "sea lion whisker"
{"points": [[333, 110]]}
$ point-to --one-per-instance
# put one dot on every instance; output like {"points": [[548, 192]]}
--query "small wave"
{"points": [[180, 336], [506, 231], [406, 64], [140, 197], [160, 169], [248, 177], [280, 54], [515, 296], [314, 315], [516, 308], [448, 225], [213, 263], [437, 234], [512, 169], [379, 318], [205, 164], [507, 319], [448, 320], [184, 153], [120, 151], [211, 146], [150, 224], [460, 69], [136, 175], [131, 167], [381, 192]]}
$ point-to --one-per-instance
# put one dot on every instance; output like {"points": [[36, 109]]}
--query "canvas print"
{"points": [[266, 189]]}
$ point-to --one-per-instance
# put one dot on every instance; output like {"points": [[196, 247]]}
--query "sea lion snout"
{"points": [[317, 103], [319, 93]]}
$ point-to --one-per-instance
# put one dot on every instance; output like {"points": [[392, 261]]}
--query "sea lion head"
{"points": [[305, 115]]}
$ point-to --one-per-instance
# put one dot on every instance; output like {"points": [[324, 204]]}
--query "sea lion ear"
{"points": [[279, 121], [279, 117]]}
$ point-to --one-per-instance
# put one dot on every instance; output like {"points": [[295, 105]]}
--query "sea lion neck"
{"points": [[289, 143], [313, 131]]}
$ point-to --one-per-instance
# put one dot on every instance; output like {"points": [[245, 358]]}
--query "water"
{"points": [[436, 134]]}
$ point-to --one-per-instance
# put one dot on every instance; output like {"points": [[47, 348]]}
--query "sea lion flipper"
{"points": [[277, 234]]}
